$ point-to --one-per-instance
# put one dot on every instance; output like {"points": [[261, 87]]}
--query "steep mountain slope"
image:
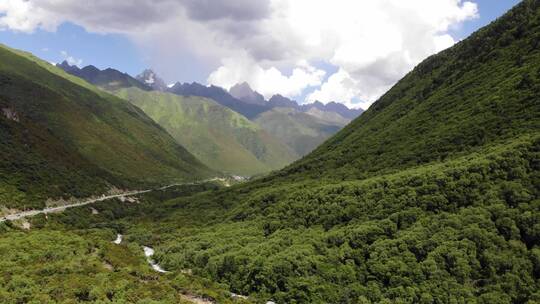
{"points": [[63, 137], [149, 78], [481, 91], [221, 96], [302, 132], [108, 79], [279, 101], [431, 196], [244, 92], [280, 116], [218, 136]]}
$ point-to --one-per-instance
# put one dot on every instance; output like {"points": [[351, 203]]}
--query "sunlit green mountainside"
{"points": [[63, 137], [218, 136], [431, 196], [300, 131], [300, 128], [479, 92]]}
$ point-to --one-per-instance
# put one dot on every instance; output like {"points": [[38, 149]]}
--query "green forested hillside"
{"points": [[464, 231], [483, 90], [431, 196], [300, 131], [63, 137], [218, 136]]}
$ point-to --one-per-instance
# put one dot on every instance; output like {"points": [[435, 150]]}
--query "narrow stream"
{"points": [[118, 239], [149, 252]]}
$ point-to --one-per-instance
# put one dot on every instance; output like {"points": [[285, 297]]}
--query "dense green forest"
{"points": [[431, 196], [70, 258], [462, 231]]}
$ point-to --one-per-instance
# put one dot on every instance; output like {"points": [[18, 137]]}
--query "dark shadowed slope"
{"points": [[108, 79], [61, 137]]}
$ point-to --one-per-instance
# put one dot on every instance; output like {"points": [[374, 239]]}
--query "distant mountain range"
{"points": [[244, 92], [301, 131], [240, 98], [221, 96], [299, 127], [218, 136]]}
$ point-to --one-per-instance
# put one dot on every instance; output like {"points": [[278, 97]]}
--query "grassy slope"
{"points": [[72, 138], [219, 137], [300, 131], [431, 196]]}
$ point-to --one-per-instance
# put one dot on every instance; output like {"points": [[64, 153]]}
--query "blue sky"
{"points": [[119, 51], [101, 50]]}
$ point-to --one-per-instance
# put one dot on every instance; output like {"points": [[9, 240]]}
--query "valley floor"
{"points": [[426, 234], [78, 255]]}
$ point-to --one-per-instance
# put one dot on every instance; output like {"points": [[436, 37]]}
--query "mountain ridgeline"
{"points": [[285, 130], [431, 196], [221, 96], [109, 79], [62, 137]]}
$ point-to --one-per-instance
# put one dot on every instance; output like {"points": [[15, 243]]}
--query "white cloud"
{"points": [[18, 15], [267, 81], [339, 87], [373, 43], [70, 59]]}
